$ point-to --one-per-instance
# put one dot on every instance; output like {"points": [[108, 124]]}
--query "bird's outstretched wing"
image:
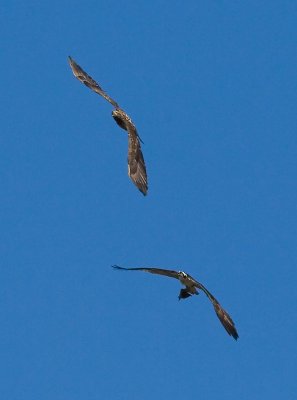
{"points": [[82, 76], [158, 271], [223, 316], [136, 164]]}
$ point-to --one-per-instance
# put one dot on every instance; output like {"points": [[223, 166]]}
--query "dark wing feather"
{"points": [[136, 164], [223, 316], [82, 76], [158, 271]]}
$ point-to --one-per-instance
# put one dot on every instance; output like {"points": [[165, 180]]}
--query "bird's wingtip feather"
{"points": [[116, 267]]}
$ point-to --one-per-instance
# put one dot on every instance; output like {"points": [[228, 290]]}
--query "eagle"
{"points": [[191, 286], [136, 164]]}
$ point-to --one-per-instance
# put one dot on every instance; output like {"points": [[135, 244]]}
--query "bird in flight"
{"points": [[136, 164], [191, 286]]}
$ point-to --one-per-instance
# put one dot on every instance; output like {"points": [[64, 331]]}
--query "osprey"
{"points": [[136, 165], [191, 286]]}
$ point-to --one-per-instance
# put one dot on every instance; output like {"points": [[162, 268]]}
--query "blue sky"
{"points": [[212, 89]]}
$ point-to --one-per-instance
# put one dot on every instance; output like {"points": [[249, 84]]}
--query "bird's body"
{"points": [[122, 119], [187, 281], [136, 164], [191, 287]]}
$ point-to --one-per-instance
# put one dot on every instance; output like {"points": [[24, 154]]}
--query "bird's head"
{"points": [[182, 274], [118, 117]]}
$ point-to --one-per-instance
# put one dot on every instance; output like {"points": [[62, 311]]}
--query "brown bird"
{"points": [[136, 164], [191, 286]]}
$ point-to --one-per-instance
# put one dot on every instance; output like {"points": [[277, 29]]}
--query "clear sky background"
{"points": [[212, 88]]}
